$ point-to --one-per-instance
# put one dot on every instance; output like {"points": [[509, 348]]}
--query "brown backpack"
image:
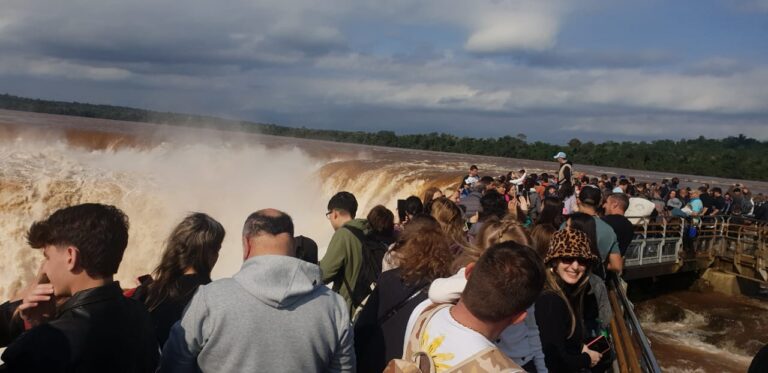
{"points": [[417, 361]]}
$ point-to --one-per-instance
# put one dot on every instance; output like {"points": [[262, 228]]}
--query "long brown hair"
{"points": [[451, 220], [429, 194], [555, 284], [193, 244], [422, 252]]}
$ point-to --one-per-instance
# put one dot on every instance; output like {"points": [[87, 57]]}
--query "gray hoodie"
{"points": [[274, 315]]}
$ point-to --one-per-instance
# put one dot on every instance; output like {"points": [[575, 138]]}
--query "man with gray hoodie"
{"points": [[274, 315]]}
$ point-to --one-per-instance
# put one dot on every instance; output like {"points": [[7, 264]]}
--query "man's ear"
{"points": [[246, 247], [73, 258], [468, 270], [519, 318]]}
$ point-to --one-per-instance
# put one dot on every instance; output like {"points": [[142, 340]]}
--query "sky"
{"points": [[596, 70]]}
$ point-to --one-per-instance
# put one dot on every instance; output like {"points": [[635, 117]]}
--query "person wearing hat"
{"points": [[564, 173], [559, 308]]}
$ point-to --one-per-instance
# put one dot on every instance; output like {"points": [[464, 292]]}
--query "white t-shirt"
{"points": [[446, 341]]}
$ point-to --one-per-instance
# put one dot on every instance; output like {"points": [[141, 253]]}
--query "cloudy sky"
{"points": [[554, 70]]}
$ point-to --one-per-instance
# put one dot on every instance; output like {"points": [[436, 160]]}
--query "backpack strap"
{"points": [[393, 311], [413, 346], [357, 232], [360, 235]]}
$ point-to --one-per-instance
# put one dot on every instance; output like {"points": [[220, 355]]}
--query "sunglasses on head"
{"points": [[569, 260]]}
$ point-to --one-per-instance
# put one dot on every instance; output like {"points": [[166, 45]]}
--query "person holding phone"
{"points": [[559, 308]]}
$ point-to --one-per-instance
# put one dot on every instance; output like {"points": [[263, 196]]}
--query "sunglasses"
{"points": [[570, 260]]}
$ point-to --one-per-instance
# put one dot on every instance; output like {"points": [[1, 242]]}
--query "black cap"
{"points": [[590, 195]]}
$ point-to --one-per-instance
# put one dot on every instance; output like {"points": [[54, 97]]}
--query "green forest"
{"points": [[732, 157]]}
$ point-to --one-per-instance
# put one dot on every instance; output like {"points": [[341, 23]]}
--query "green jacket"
{"points": [[343, 258]]}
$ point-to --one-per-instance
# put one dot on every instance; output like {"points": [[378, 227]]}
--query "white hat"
{"points": [[560, 155]]}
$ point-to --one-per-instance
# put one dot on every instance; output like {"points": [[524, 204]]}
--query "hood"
{"points": [[278, 281], [360, 224]]}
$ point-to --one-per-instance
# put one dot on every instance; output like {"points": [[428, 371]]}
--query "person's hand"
{"points": [[594, 356], [512, 205], [38, 305]]}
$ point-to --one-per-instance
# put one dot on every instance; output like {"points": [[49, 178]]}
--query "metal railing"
{"points": [[633, 349], [655, 241], [738, 240]]}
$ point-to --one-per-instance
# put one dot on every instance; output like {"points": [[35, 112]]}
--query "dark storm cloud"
{"points": [[498, 70]]}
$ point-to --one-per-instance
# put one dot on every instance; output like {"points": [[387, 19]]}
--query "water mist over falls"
{"points": [[156, 186]]}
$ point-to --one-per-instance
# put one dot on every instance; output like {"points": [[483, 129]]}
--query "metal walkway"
{"points": [[670, 245]]}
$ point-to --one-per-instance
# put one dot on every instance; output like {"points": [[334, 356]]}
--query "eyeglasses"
{"points": [[570, 260], [328, 214]]}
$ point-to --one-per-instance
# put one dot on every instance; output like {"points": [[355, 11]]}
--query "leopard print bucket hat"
{"points": [[569, 243]]}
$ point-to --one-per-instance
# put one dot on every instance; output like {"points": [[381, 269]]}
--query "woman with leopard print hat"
{"points": [[560, 307]]}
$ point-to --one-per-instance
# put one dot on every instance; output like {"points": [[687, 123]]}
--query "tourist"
{"points": [[520, 342], [551, 212], [564, 173], [493, 205], [274, 315], [607, 243], [412, 206], [449, 215], [559, 308], [615, 206], [342, 261], [692, 209], [471, 178], [503, 283], [471, 201], [96, 329], [432, 193], [621, 187], [673, 202], [422, 254], [718, 202], [190, 253]]}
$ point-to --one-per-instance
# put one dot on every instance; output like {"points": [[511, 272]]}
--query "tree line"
{"points": [[732, 157]]}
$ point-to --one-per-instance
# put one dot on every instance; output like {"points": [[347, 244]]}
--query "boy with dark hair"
{"points": [[343, 258], [97, 329], [504, 282]]}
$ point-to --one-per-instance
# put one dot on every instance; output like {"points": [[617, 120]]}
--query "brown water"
{"points": [[157, 174], [703, 331]]}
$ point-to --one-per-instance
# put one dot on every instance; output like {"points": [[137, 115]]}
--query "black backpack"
{"points": [[370, 268]]}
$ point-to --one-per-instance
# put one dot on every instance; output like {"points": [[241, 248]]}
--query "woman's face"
{"points": [[672, 194], [571, 270]]}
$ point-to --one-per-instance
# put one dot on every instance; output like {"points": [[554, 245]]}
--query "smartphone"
{"points": [[48, 307], [401, 209], [599, 344]]}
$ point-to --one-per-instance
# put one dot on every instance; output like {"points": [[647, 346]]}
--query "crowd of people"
{"points": [[500, 274]]}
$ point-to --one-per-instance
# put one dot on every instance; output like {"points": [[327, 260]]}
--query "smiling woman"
{"points": [[568, 259]]}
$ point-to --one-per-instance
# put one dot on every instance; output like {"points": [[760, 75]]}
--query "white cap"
{"points": [[560, 155]]}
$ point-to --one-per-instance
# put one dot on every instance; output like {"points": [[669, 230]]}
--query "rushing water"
{"points": [[703, 331], [157, 174]]}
